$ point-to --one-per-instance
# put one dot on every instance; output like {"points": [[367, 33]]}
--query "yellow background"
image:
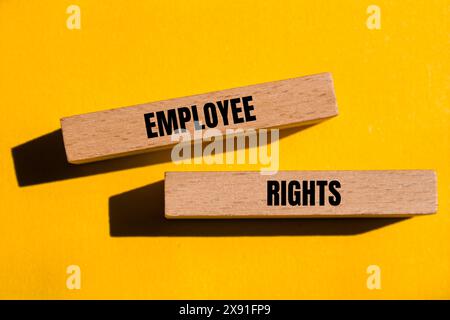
{"points": [[392, 89]]}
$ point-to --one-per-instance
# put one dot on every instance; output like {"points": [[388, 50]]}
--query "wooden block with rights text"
{"points": [[298, 194]]}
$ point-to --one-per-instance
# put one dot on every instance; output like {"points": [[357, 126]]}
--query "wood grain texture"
{"points": [[118, 132], [390, 193]]}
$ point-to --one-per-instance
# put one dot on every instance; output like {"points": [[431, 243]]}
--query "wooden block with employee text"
{"points": [[145, 127], [297, 194]]}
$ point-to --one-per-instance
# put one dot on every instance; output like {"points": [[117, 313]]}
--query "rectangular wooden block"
{"points": [[145, 127], [298, 194]]}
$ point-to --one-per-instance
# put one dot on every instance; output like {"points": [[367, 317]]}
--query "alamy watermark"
{"points": [[235, 146]]}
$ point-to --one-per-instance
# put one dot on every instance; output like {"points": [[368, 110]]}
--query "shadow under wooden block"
{"points": [[43, 160], [140, 212]]}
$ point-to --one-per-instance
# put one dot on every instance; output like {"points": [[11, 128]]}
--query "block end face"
{"points": [[71, 158]]}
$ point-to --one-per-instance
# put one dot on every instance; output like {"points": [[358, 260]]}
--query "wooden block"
{"points": [[145, 127], [298, 194]]}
